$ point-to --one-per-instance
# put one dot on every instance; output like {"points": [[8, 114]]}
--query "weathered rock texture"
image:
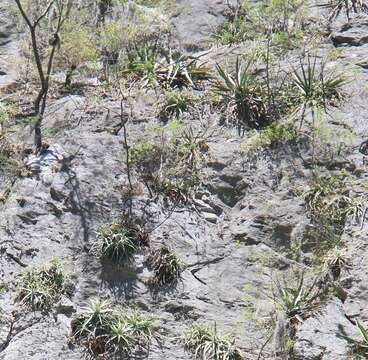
{"points": [[232, 236]]}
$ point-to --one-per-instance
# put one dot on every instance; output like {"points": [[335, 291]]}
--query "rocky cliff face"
{"points": [[242, 229]]}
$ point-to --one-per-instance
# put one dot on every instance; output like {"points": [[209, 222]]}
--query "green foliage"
{"points": [[233, 31], [7, 111], [78, 46], [313, 86], [106, 330], [207, 344], [171, 166], [283, 22], [152, 64], [166, 265], [244, 93], [335, 261], [328, 198], [296, 298], [41, 287], [359, 348], [175, 103], [142, 59], [116, 242], [191, 146], [271, 137], [111, 40]]}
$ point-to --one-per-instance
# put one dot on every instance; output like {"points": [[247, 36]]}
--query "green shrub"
{"points": [[152, 64], [104, 329], [42, 287], [283, 22], [244, 93], [117, 242], [314, 87], [328, 198], [271, 137], [175, 103], [296, 298], [206, 344], [166, 265], [172, 165], [142, 59], [78, 48]]}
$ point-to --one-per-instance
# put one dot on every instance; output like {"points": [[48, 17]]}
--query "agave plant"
{"points": [[313, 86], [296, 298], [244, 93], [177, 70], [141, 326], [142, 59], [335, 261], [106, 330], [96, 316], [120, 338], [41, 287], [192, 146], [166, 265], [206, 344], [117, 242]]}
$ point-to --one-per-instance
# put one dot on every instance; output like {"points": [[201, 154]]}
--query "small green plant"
{"points": [[171, 165], [105, 330], [116, 242], [143, 58], [207, 344], [176, 70], [315, 87], [335, 261], [166, 265], [41, 287], [282, 22], [271, 137], [244, 94], [175, 103], [235, 29], [296, 298], [191, 147], [328, 198], [152, 64], [7, 111], [78, 49], [359, 348]]}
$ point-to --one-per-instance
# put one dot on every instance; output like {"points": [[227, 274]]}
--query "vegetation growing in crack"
{"points": [[358, 348], [175, 104], [271, 137], [171, 166], [166, 68], [167, 266], [314, 87], [296, 298], [118, 242], [41, 287], [284, 23], [106, 330], [206, 343], [328, 198]]}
